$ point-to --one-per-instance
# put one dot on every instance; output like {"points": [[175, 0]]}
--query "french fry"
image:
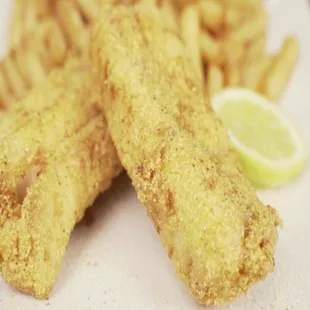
{"points": [[256, 47], [215, 15], [182, 3], [232, 17], [152, 3], [281, 69], [254, 73], [17, 23], [33, 68], [245, 3], [56, 44], [88, 8], [30, 67], [37, 45], [220, 51], [27, 14], [211, 14], [72, 23], [44, 8], [210, 49], [30, 16], [13, 77], [232, 75], [169, 14], [5, 97], [215, 80], [190, 29], [232, 51], [250, 28]]}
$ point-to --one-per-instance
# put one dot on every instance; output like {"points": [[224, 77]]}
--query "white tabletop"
{"points": [[119, 263]]}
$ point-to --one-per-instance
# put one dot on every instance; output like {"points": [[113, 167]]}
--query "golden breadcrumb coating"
{"points": [[56, 158], [220, 237]]}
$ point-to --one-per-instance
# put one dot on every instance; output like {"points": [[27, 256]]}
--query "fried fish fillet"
{"points": [[56, 158], [220, 237]]}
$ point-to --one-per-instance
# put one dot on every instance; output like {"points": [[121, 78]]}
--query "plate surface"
{"points": [[118, 261]]}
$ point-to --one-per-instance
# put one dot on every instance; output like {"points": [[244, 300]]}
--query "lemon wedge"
{"points": [[270, 148]]}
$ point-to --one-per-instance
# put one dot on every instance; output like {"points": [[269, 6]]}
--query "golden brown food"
{"points": [[63, 30], [228, 33], [219, 236], [255, 72], [215, 80], [190, 30], [56, 158], [281, 69], [27, 14], [232, 75], [28, 65], [250, 28]]}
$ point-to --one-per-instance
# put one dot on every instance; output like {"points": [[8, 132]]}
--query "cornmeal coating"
{"points": [[220, 237], [56, 158]]}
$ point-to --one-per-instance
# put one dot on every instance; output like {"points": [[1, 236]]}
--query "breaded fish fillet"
{"points": [[220, 237], [56, 158]]}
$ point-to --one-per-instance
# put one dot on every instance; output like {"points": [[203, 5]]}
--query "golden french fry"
{"points": [[145, 2], [232, 17], [245, 3], [252, 27], [215, 80], [256, 47], [169, 14], [72, 23], [210, 49], [5, 100], [56, 44], [88, 8], [182, 3], [5, 96], [27, 14], [30, 16], [281, 69], [211, 14], [254, 73], [215, 15], [232, 51], [13, 76], [38, 46], [31, 67], [190, 29], [17, 23], [43, 8], [19, 71], [232, 75]]}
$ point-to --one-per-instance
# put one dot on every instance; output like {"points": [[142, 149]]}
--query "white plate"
{"points": [[119, 263]]}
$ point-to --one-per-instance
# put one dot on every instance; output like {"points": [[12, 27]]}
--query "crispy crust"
{"points": [[57, 136], [220, 237]]}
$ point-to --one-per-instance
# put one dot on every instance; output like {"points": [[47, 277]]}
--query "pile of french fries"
{"points": [[226, 40], [232, 43], [55, 28], [26, 17]]}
